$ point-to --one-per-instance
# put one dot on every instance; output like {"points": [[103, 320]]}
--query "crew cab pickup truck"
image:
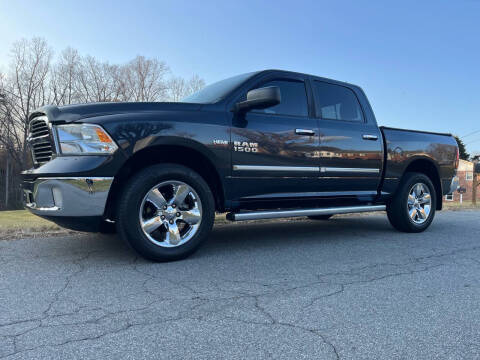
{"points": [[267, 144]]}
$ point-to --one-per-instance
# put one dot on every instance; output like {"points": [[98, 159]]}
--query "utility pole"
{"points": [[474, 188]]}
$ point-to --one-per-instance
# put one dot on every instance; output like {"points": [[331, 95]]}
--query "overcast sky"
{"points": [[418, 61]]}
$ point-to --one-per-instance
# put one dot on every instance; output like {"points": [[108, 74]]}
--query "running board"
{"points": [[274, 214]]}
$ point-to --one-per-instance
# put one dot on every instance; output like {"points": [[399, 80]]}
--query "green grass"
{"points": [[466, 205], [21, 222]]}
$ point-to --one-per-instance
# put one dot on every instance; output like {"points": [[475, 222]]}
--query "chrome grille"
{"points": [[39, 128], [40, 140]]}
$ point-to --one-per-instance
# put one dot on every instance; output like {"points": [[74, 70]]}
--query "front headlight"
{"points": [[84, 139]]}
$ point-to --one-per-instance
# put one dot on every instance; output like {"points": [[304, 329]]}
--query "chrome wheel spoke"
{"points": [[411, 199], [152, 224], [426, 199], [173, 236], [421, 212], [156, 198], [162, 212], [427, 209], [181, 192], [412, 212], [418, 191], [191, 217]]}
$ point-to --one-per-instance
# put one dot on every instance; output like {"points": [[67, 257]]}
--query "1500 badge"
{"points": [[243, 146], [240, 146]]}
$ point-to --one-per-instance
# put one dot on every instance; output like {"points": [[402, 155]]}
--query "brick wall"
{"points": [[467, 184]]}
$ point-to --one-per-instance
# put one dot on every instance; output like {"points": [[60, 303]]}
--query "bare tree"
{"points": [[64, 78], [11, 154], [195, 84], [95, 81], [145, 79], [177, 89]]}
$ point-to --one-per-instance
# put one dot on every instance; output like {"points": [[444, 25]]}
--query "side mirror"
{"points": [[260, 99]]}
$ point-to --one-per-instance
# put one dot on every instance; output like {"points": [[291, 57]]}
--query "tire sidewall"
{"points": [[128, 212]]}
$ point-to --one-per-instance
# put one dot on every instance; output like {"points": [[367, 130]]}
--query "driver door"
{"points": [[273, 149]]}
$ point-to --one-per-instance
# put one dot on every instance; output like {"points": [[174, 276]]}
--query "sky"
{"points": [[417, 61]]}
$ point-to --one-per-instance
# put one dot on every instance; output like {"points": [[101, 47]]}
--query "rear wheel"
{"points": [[413, 207], [320, 217], [166, 212]]}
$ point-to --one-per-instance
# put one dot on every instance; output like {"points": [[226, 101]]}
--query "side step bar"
{"points": [[274, 214]]}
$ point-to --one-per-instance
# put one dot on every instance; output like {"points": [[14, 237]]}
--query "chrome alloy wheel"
{"points": [[419, 203], [170, 213]]}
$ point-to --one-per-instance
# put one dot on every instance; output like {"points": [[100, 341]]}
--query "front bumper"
{"points": [[67, 196]]}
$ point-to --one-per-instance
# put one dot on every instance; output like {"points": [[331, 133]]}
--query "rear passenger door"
{"points": [[351, 151], [273, 148]]}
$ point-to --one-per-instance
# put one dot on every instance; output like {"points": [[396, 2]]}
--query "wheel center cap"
{"points": [[170, 213]]}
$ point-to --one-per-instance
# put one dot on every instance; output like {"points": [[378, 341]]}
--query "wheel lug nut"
{"points": [[171, 222], [162, 217], [165, 207], [174, 206], [178, 214]]}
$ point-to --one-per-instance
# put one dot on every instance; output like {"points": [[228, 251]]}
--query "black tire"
{"points": [[320, 217], [128, 223], [398, 208]]}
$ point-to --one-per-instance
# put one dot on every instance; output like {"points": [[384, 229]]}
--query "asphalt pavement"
{"points": [[347, 288]]}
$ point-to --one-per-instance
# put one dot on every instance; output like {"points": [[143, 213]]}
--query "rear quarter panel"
{"points": [[402, 147]]}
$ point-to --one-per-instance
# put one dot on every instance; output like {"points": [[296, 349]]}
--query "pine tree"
{"points": [[461, 147]]}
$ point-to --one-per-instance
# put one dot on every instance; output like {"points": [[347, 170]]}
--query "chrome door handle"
{"points": [[370, 137], [304, 132]]}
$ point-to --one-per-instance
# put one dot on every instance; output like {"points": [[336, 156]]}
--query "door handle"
{"points": [[370, 137], [304, 132]]}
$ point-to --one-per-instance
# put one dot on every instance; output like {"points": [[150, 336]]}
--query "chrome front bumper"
{"points": [[67, 196]]}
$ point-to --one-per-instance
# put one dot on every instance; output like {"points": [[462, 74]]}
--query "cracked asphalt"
{"points": [[348, 288]]}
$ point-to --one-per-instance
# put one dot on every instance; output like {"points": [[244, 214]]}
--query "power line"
{"points": [[472, 142], [473, 132]]}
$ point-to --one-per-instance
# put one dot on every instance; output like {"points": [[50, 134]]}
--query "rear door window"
{"points": [[336, 102]]}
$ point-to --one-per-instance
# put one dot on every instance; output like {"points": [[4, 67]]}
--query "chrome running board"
{"points": [[274, 214]]}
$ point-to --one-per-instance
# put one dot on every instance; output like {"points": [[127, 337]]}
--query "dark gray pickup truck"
{"points": [[261, 145]]}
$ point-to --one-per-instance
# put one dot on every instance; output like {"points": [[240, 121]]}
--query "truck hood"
{"points": [[71, 113]]}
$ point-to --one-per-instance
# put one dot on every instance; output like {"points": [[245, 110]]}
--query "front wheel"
{"points": [[166, 212], [412, 209]]}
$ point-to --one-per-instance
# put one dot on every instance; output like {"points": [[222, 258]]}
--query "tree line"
{"points": [[36, 77]]}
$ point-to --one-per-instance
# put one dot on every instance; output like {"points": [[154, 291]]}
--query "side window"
{"points": [[294, 98], [335, 102]]}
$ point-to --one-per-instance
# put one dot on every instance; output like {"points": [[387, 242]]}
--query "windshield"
{"points": [[217, 91]]}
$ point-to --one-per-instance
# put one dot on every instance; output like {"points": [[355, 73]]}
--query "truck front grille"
{"points": [[40, 140], [39, 127]]}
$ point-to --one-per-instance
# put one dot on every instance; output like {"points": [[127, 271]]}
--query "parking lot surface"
{"points": [[347, 288]]}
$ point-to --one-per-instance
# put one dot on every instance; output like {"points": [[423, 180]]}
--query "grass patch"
{"points": [[19, 223], [466, 205]]}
